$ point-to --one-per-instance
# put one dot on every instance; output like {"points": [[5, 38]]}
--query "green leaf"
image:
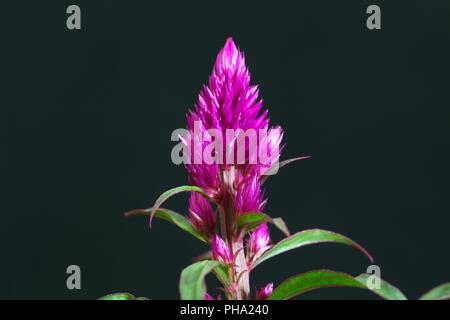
{"points": [[441, 292], [308, 237], [192, 282], [223, 274], [166, 195], [281, 225], [251, 220], [311, 280], [121, 296], [274, 170], [317, 279], [177, 219], [386, 290]]}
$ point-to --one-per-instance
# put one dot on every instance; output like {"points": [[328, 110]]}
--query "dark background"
{"points": [[86, 118]]}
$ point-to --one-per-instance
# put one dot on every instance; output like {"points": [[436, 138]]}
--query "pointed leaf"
{"points": [[121, 296], [273, 170], [308, 237], [192, 281], [166, 195], [317, 279], [251, 220], [386, 290], [281, 225], [441, 292], [177, 219]]}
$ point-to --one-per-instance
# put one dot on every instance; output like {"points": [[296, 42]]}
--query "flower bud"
{"points": [[202, 215], [220, 251], [264, 292], [258, 241]]}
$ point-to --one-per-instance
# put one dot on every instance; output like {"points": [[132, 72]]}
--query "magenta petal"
{"points": [[220, 251], [201, 214], [229, 101], [259, 239]]}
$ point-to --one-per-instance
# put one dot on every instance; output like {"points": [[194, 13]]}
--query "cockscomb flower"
{"points": [[234, 190], [229, 101], [202, 215], [220, 251], [227, 200], [258, 241], [264, 292]]}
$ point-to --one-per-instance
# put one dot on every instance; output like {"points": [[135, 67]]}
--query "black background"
{"points": [[86, 118]]}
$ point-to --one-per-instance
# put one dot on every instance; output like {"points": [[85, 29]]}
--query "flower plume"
{"points": [[227, 200], [230, 106]]}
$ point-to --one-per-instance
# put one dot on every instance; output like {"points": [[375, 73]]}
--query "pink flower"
{"points": [[220, 251], [202, 215], [258, 241], [264, 292], [208, 296], [229, 101]]}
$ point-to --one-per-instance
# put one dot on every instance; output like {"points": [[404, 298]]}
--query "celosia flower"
{"points": [[264, 292], [258, 241], [220, 251], [231, 176], [230, 102], [202, 215]]}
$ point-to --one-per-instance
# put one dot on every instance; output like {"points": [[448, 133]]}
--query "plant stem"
{"points": [[240, 270]]}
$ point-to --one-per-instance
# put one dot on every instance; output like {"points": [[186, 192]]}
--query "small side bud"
{"points": [[258, 241], [220, 251], [264, 292], [202, 215]]}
